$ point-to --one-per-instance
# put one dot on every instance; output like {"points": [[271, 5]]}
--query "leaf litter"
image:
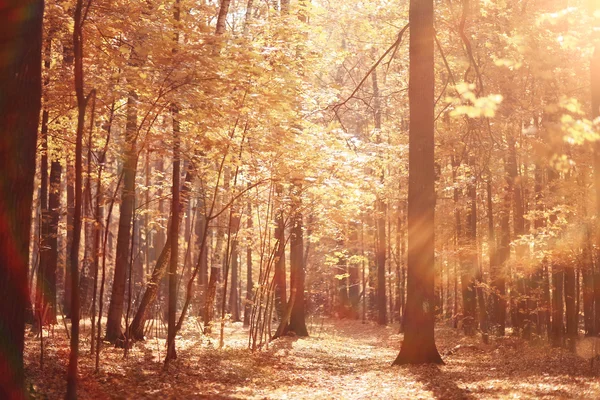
{"points": [[342, 359]]}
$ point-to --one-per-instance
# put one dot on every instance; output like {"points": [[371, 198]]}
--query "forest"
{"points": [[306, 199]]}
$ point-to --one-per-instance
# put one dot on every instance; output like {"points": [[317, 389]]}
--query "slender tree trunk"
{"points": [[297, 322], [499, 278], [546, 296], [174, 236], [41, 298], [234, 309], [88, 258], [543, 306], [341, 279], [70, 176], [202, 262], [469, 260], [54, 216], [518, 296], [557, 303], [457, 237], [494, 267], [381, 214], [117, 300], [222, 17], [280, 275], [249, 282], [587, 269], [74, 256], [595, 86], [139, 320], [570, 311], [353, 272]]}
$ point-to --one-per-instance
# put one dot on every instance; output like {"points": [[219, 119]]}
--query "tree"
{"points": [[117, 299], [419, 341], [175, 205], [79, 16], [381, 214], [297, 316], [595, 86], [20, 104], [279, 278]]}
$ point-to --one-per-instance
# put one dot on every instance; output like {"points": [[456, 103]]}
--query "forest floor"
{"points": [[340, 360]]}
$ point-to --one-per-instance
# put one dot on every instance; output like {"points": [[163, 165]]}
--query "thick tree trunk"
{"points": [[20, 102], [419, 341]]}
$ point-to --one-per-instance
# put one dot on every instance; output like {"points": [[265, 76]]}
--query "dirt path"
{"points": [[341, 360]]}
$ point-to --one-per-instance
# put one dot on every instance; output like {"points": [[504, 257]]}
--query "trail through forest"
{"points": [[341, 360]]}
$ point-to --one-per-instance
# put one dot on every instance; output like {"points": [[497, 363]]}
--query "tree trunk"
{"points": [[174, 235], [54, 217], [280, 275], [557, 303], [20, 102], [202, 262], [353, 272], [503, 254], [139, 320], [341, 280], [70, 176], [380, 209], [587, 270], [249, 282], [457, 238], [543, 306], [469, 260], [518, 296], [297, 321], [234, 309], [419, 346], [77, 220], [115, 309], [570, 313], [41, 306], [595, 84]]}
